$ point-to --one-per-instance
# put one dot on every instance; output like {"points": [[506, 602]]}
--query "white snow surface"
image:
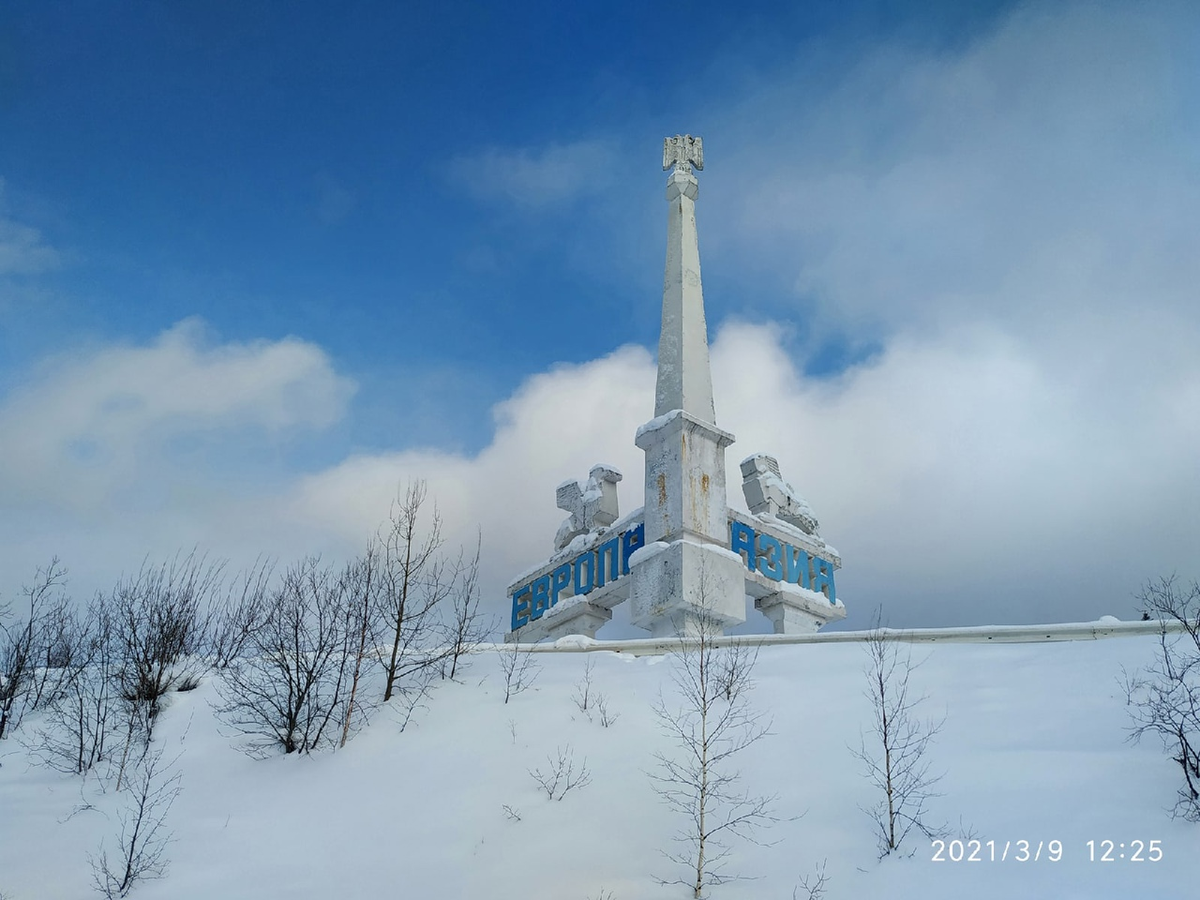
{"points": [[1033, 748], [657, 422], [647, 551], [566, 603]]}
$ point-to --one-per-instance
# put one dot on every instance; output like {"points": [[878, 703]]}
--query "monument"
{"points": [[685, 557]]}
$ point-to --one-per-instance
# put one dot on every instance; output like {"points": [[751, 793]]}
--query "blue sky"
{"points": [[284, 169], [962, 236]]}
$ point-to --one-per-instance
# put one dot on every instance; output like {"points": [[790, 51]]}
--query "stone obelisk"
{"points": [[685, 575]]}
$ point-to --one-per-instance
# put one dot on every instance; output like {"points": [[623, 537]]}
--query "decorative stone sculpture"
{"points": [[591, 507], [683, 152], [767, 492]]}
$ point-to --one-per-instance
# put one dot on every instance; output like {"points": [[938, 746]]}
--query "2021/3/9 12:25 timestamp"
{"points": [[1134, 851]]}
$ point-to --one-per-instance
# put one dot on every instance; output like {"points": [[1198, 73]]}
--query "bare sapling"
{"points": [[519, 668], [466, 626], [709, 721], [360, 582], [562, 774], [895, 753], [413, 579], [142, 840]]}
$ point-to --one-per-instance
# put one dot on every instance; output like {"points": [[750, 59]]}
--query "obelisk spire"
{"points": [[684, 378]]}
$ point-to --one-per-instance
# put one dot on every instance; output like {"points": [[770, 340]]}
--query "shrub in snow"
{"points": [[519, 669], [290, 690], [81, 724], [35, 649], [159, 631], [561, 774]]}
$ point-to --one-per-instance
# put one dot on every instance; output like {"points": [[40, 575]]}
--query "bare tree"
{"points": [[159, 630], [1164, 698], [519, 668], [160, 620], [360, 599], [142, 840], [896, 755], [413, 579], [78, 730], [466, 626], [710, 721], [240, 613], [30, 648], [288, 691]]}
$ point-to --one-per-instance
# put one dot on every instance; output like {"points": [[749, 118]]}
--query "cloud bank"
{"points": [[961, 483]]}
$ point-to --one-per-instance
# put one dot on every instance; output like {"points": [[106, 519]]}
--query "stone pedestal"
{"points": [[678, 587], [684, 574], [790, 617], [577, 618], [581, 618]]}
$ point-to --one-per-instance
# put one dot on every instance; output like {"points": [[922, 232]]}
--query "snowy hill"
{"points": [[1033, 748]]}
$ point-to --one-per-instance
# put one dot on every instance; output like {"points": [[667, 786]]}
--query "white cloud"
{"points": [[546, 176], [962, 480], [92, 423], [1042, 172]]}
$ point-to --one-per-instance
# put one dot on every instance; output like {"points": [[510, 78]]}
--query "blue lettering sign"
{"points": [[562, 578], [771, 550], [520, 612], [588, 571], [780, 561], [608, 548], [797, 565], [541, 597], [775, 559], [582, 587], [741, 540], [822, 581], [630, 541]]}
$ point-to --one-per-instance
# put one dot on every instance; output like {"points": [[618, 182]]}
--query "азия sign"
{"points": [[764, 553]]}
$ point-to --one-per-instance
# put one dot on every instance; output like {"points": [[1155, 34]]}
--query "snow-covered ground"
{"points": [[1033, 748]]}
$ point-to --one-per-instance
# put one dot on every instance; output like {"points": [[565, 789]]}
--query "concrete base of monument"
{"points": [[678, 587], [572, 616], [798, 611]]}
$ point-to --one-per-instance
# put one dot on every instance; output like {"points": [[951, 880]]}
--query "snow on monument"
{"points": [[685, 555]]}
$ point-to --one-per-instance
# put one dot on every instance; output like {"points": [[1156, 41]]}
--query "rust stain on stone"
{"points": [[662, 490], [704, 483]]}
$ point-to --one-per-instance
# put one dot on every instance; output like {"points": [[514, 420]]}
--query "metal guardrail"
{"points": [[975, 634]]}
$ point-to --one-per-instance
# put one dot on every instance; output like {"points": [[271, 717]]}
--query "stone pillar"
{"points": [[685, 573], [684, 377]]}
